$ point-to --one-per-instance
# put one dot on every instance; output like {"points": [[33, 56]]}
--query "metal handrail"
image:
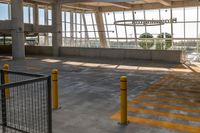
{"points": [[24, 73], [13, 84]]}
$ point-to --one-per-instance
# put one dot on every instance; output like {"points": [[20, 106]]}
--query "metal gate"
{"points": [[25, 103]]}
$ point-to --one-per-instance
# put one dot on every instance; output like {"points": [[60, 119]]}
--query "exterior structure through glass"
{"points": [[79, 29]]}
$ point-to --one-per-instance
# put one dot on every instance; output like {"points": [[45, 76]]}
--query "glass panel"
{"points": [[41, 16], [191, 14], [178, 44], [166, 28], [63, 29], [140, 30], [198, 36], [3, 11], [94, 18], [26, 14], [198, 13], [128, 15], [49, 17], [50, 14], [67, 16], [190, 30], [90, 33], [152, 14], [165, 14], [119, 16], [154, 30], [63, 16], [78, 18], [97, 34], [31, 15], [121, 31], [178, 13], [139, 15], [109, 17], [112, 31], [68, 29], [88, 19], [178, 29], [130, 31]]}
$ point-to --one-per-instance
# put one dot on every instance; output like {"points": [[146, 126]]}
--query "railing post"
{"points": [[3, 104], [54, 78], [123, 100], [49, 102], [6, 79]]}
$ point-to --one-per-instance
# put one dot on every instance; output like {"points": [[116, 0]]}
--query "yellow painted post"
{"points": [[54, 77], [6, 79], [123, 100]]}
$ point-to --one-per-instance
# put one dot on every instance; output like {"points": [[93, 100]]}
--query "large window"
{"points": [[28, 14], [182, 26], [41, 12], [4, 11], [79, 29]]}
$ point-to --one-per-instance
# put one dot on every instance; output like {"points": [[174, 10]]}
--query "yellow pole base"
{"points": [[6, 79], [54, 76], [123, 100]]}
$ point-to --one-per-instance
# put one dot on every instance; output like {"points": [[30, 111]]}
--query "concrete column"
{"points": [[46, 40], [57, 28], [101, 29], [18, 49], [35, 14], [71, 29], [86, 29]]}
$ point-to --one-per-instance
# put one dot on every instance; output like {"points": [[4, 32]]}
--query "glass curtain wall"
{"points": [[182, 35], [45, 18], [79, 29], [5, 39]]}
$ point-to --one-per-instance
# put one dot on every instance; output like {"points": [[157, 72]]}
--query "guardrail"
{"points": [[25, 102]]}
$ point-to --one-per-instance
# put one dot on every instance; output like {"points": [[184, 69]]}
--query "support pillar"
{"points": [[35, 15], [86, 31], [18, 48], [101, 29], [71, 29], [57, 28]]}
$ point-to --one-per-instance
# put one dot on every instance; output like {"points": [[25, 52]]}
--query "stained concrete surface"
{"points": [[89, 91]]}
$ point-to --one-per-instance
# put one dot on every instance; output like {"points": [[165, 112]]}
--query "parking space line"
{"points": [[164, 124]]}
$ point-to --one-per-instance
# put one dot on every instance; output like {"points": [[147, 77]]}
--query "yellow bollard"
{"points": [[54, 77], [6, 79], [123, 100]]}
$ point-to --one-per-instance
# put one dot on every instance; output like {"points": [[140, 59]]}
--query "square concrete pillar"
{"points": [[18, 48], [57, 28], [101, 29]]}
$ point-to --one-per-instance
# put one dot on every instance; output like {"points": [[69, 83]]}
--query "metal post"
{"points": [[6, 79], [54, 77], [49, 105], [123, 100], [3, 104]]}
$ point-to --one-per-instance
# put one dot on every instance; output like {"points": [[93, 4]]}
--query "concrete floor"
{"points": [[89, 91]]}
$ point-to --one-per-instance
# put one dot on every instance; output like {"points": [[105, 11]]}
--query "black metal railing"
{"points": [[27, 109]]}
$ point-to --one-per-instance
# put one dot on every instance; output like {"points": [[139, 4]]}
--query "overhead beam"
{"points": [[77, 1], [122, 5], [78, 7], [163, 2], [37, 2], [175, 4]]}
